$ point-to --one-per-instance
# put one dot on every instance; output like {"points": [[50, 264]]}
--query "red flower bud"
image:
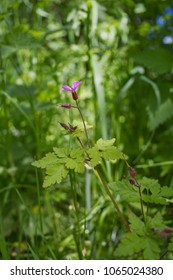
{"points": [[134, 182], [132, 171], [67, 106], [74, 94]]}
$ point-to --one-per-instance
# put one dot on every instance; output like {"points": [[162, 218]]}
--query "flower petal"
{"points": [[66, 88], [75, 85]]}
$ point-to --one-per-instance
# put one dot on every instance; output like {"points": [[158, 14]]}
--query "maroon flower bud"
{"points": [[67, 106], [64, 125], [132, 171], [72, 128], [134, 182], [75, 96]]}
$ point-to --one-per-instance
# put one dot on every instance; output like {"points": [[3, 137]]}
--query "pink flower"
{"points": [[72, 89]]}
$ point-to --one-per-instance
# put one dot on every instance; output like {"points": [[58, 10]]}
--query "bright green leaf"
{"points": [[55, 174], [136, 224], [49, 158], [103, 149], [130, 244]]}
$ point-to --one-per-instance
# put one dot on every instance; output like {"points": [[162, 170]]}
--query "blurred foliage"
{"points": [[118, 50]]}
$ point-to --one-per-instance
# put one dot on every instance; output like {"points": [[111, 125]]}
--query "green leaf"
{"points": [[55, 174], [167, 192], [126, 191], [103, 144], [151, 249], [61, 152], [130, 244], [155, 193], [170, 245], [159, 60], [136, 224], [103, 149], [49, 158], [57, 164], [156, 222], [146, 247], [164, 113], [95, 156]]}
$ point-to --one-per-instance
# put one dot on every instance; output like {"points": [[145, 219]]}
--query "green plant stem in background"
{"points": [[85, 129], [112, 199], [101, 177], [76, 227]]}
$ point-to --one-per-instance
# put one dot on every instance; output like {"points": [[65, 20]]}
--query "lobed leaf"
{"points": [[131, 243], [55, 174], [136, 224], [126, 191], [103, 149], [156, 221], [49, 158]]}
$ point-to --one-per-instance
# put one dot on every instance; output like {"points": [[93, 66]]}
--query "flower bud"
{"points": [[132, 172], [74, 95], [67, 106], [134, 182], [64, 125]]}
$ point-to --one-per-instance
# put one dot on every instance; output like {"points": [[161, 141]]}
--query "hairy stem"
{"points": [[112, 199], [85, 129], [107, 190]]}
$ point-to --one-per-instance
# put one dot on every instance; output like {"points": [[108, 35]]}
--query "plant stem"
{"points": [[142, 208], [76, 227], [85, 129], [112, 199], [107, 190]]}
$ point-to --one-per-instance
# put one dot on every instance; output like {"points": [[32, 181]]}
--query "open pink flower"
{"points": [[72, 89]]}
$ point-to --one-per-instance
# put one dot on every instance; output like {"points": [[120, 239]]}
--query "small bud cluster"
{"points": [[133, 180], [68, 127]]}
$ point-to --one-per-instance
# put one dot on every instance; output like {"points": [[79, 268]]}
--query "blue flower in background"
{"points": [[162, 21]]}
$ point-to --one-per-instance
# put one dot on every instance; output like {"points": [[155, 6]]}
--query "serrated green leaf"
{"points": [[156, 221], [76, 153], [55, 174], [151, 249], [156, 194], [126, 191], [61, 152], [154, 199], [112, 153], [95, 156], [166, 192], [103, 149], [150, 184], [49, 158], [103, 144], [75, 164], [136, 224], [130, 244]]}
